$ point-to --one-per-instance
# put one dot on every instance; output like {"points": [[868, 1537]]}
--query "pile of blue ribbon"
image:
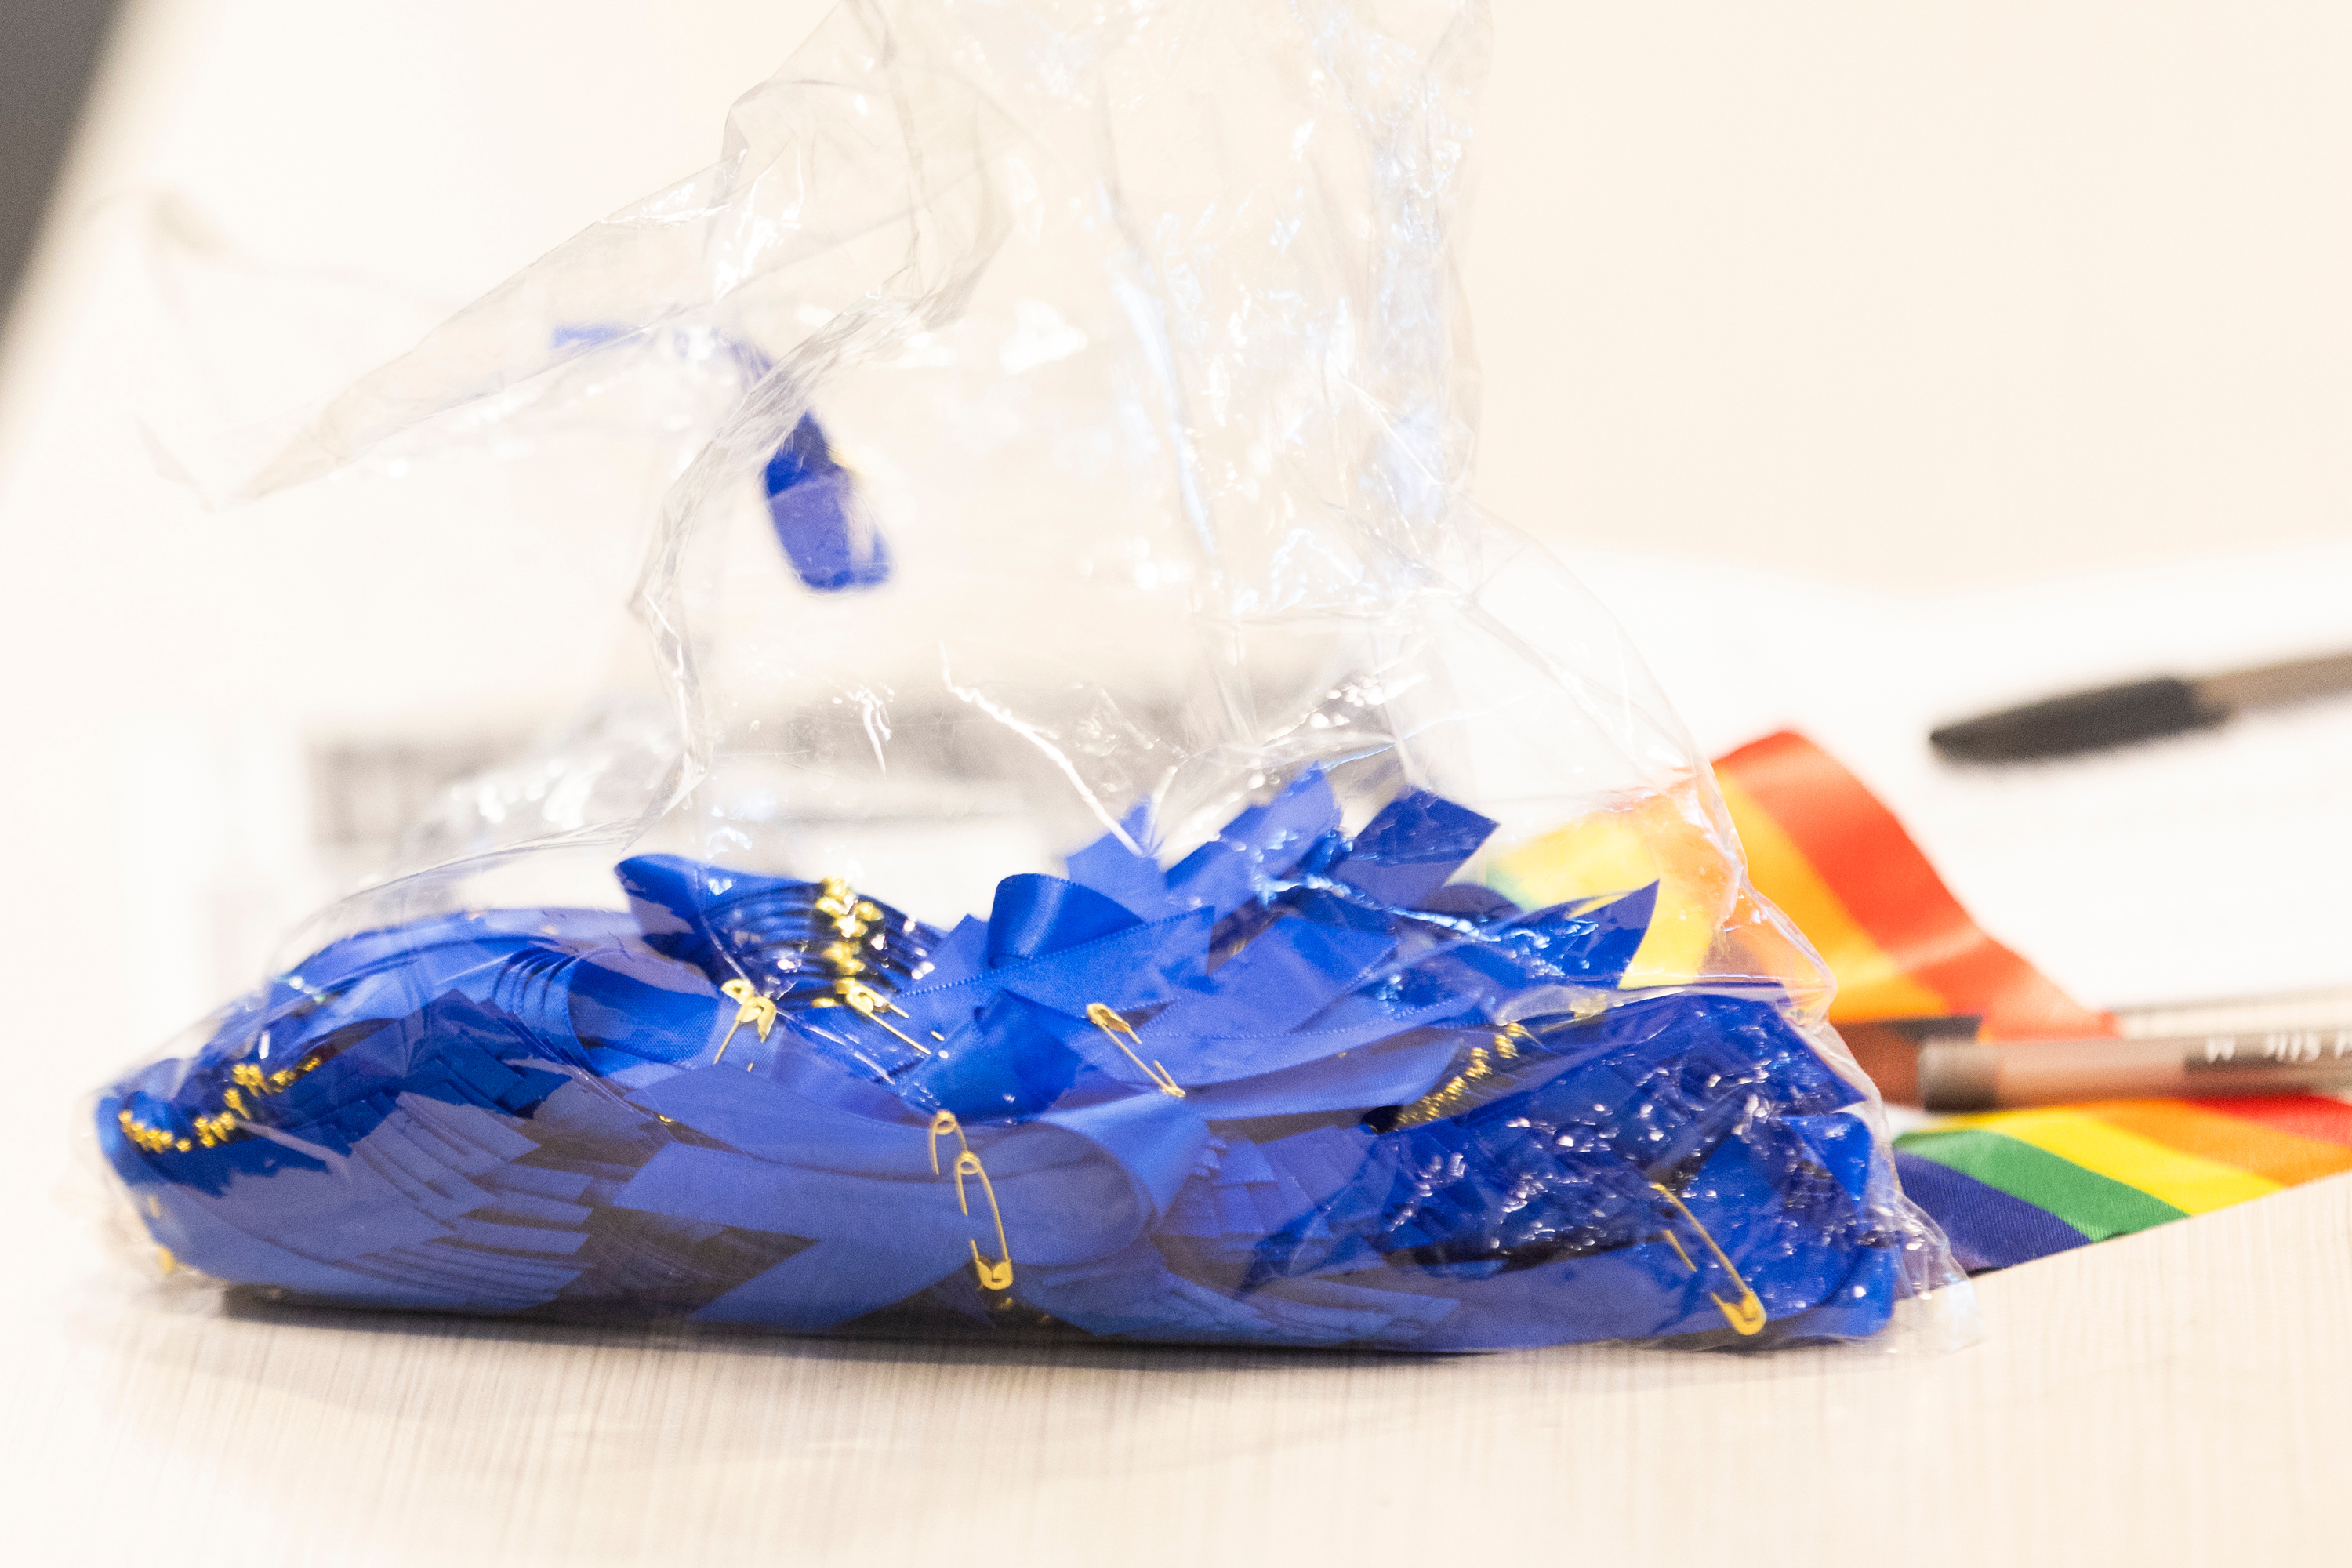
{"points": [[1297, 1090]]}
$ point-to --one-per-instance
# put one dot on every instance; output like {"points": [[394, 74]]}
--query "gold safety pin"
{"points": [[751, 1009], [852, 918], [1746, 1315], [870, 1005], [1111, 1024], [222, 1125], [996, 1276]]}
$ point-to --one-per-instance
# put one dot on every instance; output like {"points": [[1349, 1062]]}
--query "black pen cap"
{"points": [[2081, 721]]}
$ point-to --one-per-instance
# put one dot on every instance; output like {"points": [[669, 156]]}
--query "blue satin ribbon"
{"points": [[1264, 1096], [814, 505]]}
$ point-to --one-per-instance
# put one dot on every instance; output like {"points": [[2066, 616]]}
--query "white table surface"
{"points": [[1916, 302]]}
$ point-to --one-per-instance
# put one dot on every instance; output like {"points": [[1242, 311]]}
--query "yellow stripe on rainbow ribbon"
{"points": [[1661, 840], [2190, 1183]]}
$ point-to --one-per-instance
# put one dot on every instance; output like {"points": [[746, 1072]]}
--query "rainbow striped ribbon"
{"points": [[2010, 1186]]}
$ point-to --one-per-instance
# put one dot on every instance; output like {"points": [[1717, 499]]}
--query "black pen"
{"points": [[2136, 711]]}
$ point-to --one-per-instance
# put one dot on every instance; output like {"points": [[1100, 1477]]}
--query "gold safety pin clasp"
{"points": [[992, 1276], [870, 1005], [1745, 1315], [751, 1009], [852, 918], [1111, 1024]]}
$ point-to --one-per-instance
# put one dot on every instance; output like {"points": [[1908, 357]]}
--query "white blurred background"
{"points": [[1938, 318]]}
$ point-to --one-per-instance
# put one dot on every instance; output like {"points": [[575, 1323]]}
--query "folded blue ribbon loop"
{"points": [[1268, 1095], [1034, 916], [1008, 1061], [1154, 1139], [820, 523]]}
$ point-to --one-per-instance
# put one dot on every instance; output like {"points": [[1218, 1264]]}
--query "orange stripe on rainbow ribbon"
{"points": [[2210, 1132], [1821, 847]]}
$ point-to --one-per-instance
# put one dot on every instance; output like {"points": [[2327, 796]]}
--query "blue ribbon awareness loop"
{"points": [[1287, 1090]]}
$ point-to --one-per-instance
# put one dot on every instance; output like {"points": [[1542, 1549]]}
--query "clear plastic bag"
{"points": [[1136, 851]]}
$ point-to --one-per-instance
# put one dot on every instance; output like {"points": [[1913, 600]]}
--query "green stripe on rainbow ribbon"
{"points": [[2095, 1204], [2160, 1167]]}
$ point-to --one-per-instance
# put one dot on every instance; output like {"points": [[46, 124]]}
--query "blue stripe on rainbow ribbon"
{"points": [[1988, 1229]]}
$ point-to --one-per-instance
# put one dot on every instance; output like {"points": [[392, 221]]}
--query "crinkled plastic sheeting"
{"points": [[1144, 855]]}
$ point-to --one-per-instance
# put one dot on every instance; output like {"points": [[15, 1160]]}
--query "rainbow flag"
{"points": [[2010, 1186], [2018, 1184]]}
